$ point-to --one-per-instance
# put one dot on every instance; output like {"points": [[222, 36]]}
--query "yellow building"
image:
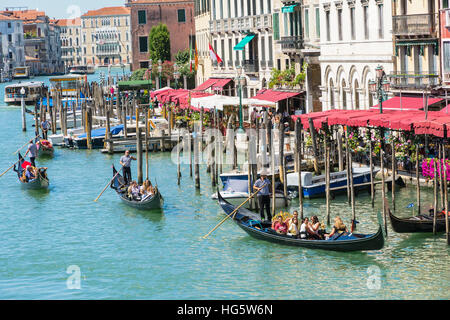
{"points": [[415, 28], [106, 38]]}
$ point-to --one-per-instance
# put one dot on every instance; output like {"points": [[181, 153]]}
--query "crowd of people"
{"points": [[308, 228], [140, 193]]}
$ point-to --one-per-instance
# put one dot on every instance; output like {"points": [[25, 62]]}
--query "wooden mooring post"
{"points": [[447, 234], [298, 145], [417, 179], [393, 171], [372, 178], [435, 193], [383, 190]]}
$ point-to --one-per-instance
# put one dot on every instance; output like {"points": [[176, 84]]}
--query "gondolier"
{"points": [[125, 161], [45, 125], [32, 150], [263, 195]]}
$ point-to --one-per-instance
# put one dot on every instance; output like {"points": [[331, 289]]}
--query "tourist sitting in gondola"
{"points": [[293, 227], [314, 229], [30, 173], [134, 192], [303, 233], [279, 225], [338, 230]]}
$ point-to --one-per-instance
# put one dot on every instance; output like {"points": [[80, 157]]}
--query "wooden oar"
{"points": [[25, 144], [10, 168], [233, 213], [108, 184]]}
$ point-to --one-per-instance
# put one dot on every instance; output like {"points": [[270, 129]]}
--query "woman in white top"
{"points": [[303, 229], [293, 227]]}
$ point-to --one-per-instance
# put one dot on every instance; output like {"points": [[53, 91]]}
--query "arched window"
{"points": [[344, 95], [356, 94], [331, 90]]}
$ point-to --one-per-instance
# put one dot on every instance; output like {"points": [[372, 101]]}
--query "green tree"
{"points": [[159, 43], [182, 57]]}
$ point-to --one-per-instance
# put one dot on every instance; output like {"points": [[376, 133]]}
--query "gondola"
{"points": [[420, 223], [118, 184], [45, 148], [41, 182], [250, 223]]}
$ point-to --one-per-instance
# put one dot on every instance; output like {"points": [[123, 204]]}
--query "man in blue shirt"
{"points": [[45, 125], [263, 195]]}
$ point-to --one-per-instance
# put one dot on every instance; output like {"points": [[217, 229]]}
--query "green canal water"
{"points": [[125, 254]]}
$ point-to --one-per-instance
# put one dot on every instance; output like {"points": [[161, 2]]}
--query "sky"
{"points": [[62, 8]]}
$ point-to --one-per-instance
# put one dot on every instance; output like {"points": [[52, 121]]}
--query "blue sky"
{"points": [[62, 8]]}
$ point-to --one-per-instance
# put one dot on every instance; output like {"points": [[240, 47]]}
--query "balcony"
{"points": [[251, 66], [291, 43], [414, 25], [413, 80], [241, 24]]}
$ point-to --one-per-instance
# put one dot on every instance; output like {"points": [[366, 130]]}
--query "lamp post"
{"points": [[176, 75], [240, 80], [150, 67], [22, 104], [381, 86], [159, 71]]}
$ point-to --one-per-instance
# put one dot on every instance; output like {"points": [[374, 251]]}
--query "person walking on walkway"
{"points": [[125, 161], [263, 195]]}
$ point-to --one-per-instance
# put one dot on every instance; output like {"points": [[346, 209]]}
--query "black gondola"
{"points": [[420, 223], [250, 223], [41, 181], [150, 203]]}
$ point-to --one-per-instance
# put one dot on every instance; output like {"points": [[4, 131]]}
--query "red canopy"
{"points": [[275, 96], [219, 85], [207, 84], [407, 103]]}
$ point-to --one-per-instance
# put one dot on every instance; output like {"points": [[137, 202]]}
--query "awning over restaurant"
{"points": [[290, 8], [406, 103], [219, 101], [241, 45], [275, 96], [207, 84], [219, 85]]}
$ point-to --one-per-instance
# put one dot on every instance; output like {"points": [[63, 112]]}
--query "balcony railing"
{"points": [[413, 80], [249, 23], [291, 43], [414, 25], [251, 66]]}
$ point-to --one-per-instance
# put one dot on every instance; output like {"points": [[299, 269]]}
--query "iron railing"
{"points": [[251, 66], [414, 80], [414, 25], [291, 43]]}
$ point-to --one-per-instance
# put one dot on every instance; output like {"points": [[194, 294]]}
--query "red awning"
{"points": [[219, 85], [207, 84], [407, 103], [275, 96]]}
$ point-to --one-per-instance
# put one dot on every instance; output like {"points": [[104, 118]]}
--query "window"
{"points": [[270, 49], [263, 49], [317, 23], [181, 15], [229, 9], [445, 4], [366, 22], [327, 20], [9, 25], [142, 17], [235, 8], [306, 23], [339, 16], [230, 52], [276, 26], [9, 37], [352, 22], [380, 21], [261, 6], [143, 44], [221, 9]]}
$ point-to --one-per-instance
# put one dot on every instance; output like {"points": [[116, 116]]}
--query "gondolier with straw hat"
{"points": [[263, 195]]}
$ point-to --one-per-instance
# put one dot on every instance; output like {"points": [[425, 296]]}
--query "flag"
{"points": [[411, 205], [214, 56], [196, 57]]}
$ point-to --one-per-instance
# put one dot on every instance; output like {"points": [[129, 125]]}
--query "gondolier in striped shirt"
{"points": [[32, 150], [45, 125], [125, 161], [263, 195]]}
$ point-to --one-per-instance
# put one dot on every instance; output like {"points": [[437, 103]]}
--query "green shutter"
{"points": [[307, 24], [181, 15], [142, 17], [276, 26], [317, 23]]}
